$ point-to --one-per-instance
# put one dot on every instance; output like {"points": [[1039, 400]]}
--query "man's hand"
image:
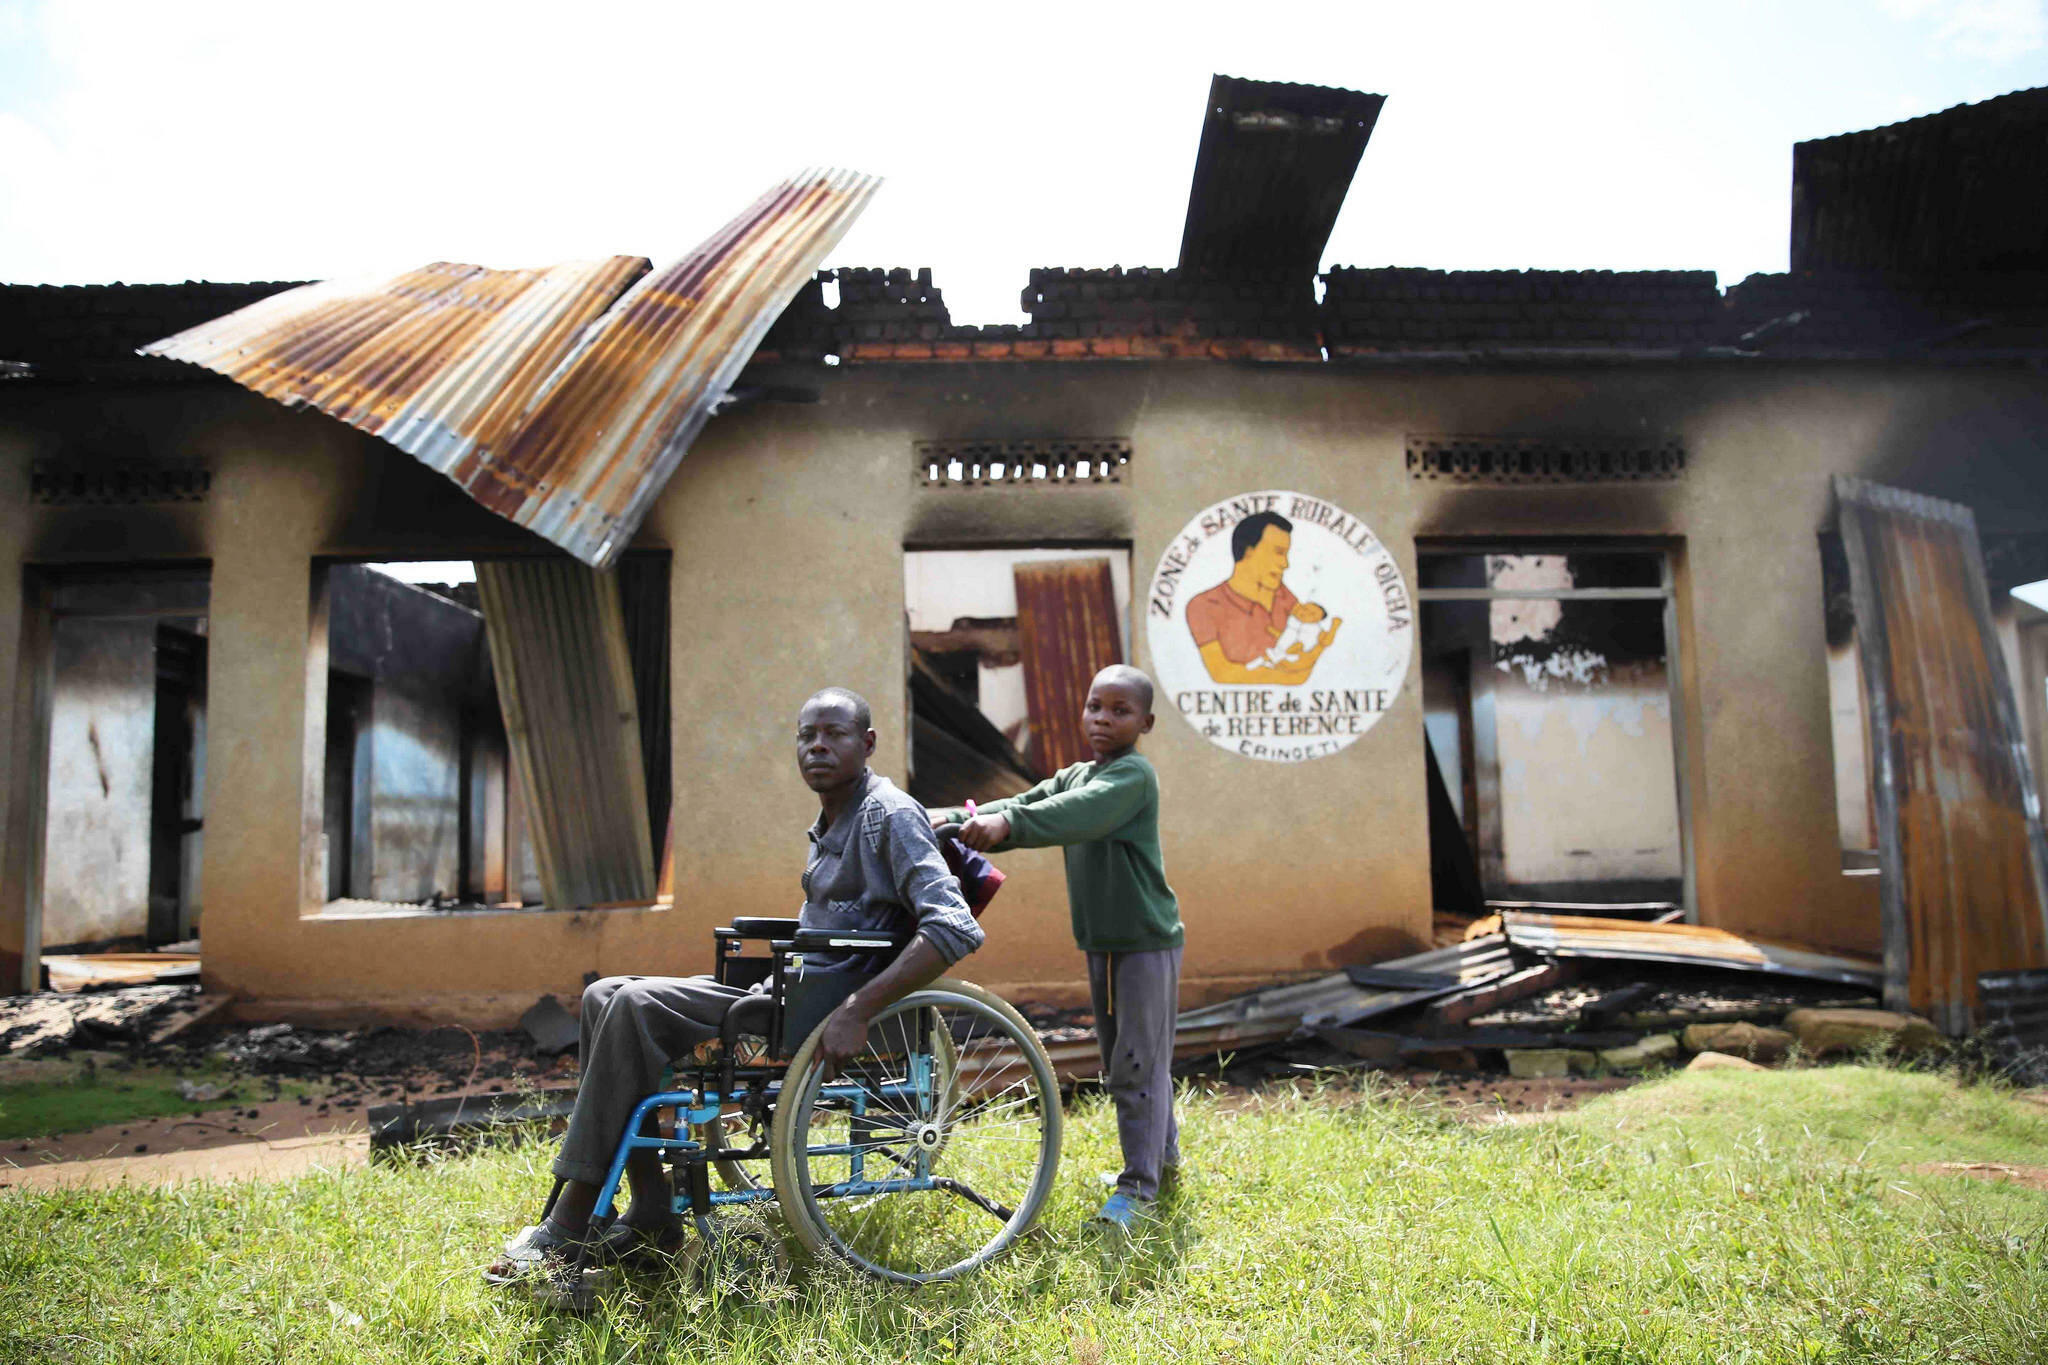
{"points": [[845, 1033], [984, 832]]}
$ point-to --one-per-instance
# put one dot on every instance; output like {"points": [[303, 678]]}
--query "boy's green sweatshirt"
{"points": [[1107, 817]]}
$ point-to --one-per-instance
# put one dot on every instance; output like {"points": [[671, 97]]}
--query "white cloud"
{"points": [[1985, 30]]}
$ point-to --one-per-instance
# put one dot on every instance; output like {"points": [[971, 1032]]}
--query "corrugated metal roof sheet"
{"points": [[565, 685], [560, 398], [1275, 163], [1067, 621]]}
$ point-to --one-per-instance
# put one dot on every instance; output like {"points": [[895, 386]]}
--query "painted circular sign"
{"points": [[1280, 626]]}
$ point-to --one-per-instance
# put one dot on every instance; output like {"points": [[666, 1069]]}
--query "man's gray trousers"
{"points": [[632, 1026]]}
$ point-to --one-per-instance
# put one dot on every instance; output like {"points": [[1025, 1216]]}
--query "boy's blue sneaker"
{"points": [[1123, 1211]]}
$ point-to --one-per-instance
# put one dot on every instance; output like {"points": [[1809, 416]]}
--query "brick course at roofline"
{"points": [[1846, 312], [1155, 313], [64, 330], [90, 331]]}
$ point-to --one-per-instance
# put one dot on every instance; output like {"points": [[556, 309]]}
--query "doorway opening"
{"points": [[1549, 705], [124, 790]]}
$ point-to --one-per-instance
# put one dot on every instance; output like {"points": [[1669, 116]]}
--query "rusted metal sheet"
{"points": [[1960, 848], [1680, 944], [1066, 620], [565, 686], [560, 398]]}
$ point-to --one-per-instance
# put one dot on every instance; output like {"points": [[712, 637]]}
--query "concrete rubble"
{"points": [[1834, 1032]]}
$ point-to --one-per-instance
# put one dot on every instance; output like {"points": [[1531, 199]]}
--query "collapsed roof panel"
{"points": [[1275, 163], [562, 398], [1965, 189]]}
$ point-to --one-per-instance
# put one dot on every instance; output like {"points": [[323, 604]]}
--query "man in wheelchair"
{"points": [[874, 867]]}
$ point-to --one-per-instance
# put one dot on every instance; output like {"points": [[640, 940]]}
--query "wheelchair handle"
{"points": [[951, 831]]}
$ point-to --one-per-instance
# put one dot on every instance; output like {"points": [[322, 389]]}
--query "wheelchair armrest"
{"points": [[847, 941], [749, 1014], [756, 926]]}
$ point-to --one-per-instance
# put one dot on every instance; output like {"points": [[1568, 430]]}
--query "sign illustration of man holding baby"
{"points": [[1249, 627]]}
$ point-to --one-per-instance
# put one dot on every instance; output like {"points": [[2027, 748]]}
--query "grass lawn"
{"points": [[1702, 1218], [91, 1096]]}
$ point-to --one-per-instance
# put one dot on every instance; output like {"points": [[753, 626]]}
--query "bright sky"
{"points": [[216, 139]]}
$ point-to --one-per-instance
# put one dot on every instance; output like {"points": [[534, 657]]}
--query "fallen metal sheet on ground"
{"points": [[1686, 944], [85, 971], [1391, 979], [1270, 1015], [1634, 911]]}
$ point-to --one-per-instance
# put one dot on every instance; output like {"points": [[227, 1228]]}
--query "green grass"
{"points": [[1701, 1218], [103, 1094]]}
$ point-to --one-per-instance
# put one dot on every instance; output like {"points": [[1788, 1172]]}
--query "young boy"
{"points": [[1126, 919]]}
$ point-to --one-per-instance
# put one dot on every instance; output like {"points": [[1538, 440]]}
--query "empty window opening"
{"points": [[423, 802], [1551, 767], [125, 796], [1003, 644]]}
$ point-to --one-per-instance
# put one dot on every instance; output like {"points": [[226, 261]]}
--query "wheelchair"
{"points": [[929, 1154]]}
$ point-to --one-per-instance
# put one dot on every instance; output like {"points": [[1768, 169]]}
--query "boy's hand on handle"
{"points": [[940, 822], [984, 832]]}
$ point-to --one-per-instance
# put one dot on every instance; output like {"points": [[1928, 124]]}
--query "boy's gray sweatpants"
{"points": [[632, 1026], [1136, 998]]}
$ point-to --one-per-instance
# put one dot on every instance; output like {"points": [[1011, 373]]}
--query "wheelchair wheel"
{"points": [[932, 1151]]}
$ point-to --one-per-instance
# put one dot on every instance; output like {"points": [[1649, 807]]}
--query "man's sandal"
{"points": [[545, 1262], [525, 1255]]}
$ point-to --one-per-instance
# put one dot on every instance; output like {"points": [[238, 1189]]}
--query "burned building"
{"points": [[1460, 587]]}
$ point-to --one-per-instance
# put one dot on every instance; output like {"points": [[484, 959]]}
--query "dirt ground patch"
{"points": [[1473, 1099], [281, 1088], [2028, 1177], [1506, 1099], [275, 1159]]}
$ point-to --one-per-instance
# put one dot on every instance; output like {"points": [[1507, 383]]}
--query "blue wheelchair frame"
{"points": [[698, 1106], [796, 1001]]}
